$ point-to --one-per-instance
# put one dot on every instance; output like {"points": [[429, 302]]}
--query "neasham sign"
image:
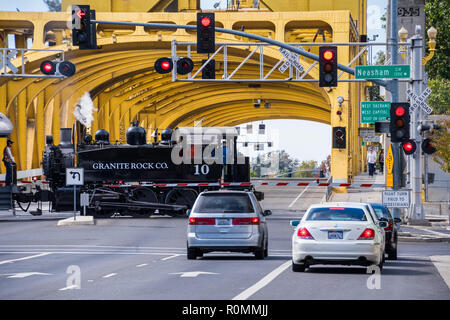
{"points": [[396, 199]]}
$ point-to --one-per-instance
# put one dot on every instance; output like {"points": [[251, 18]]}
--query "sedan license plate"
{"points": [[223, 222], [335, 235]]}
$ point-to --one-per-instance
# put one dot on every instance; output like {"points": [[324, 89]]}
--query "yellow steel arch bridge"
{"points": [[125, 87]]}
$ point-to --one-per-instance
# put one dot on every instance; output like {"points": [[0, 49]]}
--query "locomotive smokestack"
{"points": [[66, 136]]}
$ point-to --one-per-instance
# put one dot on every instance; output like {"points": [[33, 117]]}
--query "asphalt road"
{"points": [[146, 259]]}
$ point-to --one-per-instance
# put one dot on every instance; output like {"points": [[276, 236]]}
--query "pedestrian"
{"points": [[371, 160], [8, 161], [381, 160]]}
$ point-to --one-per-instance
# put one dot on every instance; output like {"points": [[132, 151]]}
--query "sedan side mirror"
{"points": [[188, 212], [383, 224], [295, 223], [267, 213], [397, 220]]}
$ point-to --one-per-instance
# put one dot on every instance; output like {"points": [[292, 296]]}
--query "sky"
{"points": [[304, 140]]}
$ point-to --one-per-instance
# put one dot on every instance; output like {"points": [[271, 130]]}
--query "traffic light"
{"points": [[400, 121], [163, 65], [428, 147], [409, 147], [206, 42], [83, 31], [209, 70], [64, 68], [339, 138], [184, 66], [48, 67], [328, 66]]}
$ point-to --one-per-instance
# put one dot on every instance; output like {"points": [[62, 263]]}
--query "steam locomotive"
{"points": [[140, 178]]}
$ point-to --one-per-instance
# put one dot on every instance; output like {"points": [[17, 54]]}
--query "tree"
{"points": [[439, 99], [53, 5], [441, 140], [309, 165], [437, 13]]}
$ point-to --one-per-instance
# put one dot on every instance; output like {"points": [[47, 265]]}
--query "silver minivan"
{"points": [[227, 221]]}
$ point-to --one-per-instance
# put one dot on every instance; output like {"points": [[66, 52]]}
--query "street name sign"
{"points": [[382, 72], [373, 111], [419, 101], [291, 59], [396, 198]]}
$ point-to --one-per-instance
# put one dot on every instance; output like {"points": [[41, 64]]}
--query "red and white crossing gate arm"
{"points": [[248, 184]]}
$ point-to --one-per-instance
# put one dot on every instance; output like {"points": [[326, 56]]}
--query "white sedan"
{"points": [[338, 233]]}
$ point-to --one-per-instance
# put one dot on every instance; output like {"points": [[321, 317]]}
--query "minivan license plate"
{"points": [[223, 222], [335, 235]]}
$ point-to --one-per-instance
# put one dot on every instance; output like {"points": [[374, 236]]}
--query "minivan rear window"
{"points": [[224, 203], [336, 214]]}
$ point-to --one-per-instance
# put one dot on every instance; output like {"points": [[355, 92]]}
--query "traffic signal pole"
{"points": [[416, 214], [393, 88]]}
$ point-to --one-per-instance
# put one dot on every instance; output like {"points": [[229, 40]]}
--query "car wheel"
{"points": [[259, 253], [298, 267], [191, 253], [266, 250]]}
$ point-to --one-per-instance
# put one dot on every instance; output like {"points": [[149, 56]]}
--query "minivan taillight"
{"points": [[367, 234], [202, 221], [246, 221], [303, 233]]}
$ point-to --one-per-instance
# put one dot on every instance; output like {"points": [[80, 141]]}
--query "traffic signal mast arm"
{"points": [[242, 34]]}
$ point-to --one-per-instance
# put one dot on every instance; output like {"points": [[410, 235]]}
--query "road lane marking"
{"points": [[263, 282], [141, 265], [442, 264], [299, 195], [25, 258], [73, 286], [192, 274], [25, 274], [110, 275], [170, 257]]}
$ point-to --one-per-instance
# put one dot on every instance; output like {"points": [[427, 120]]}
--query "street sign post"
{"points": [[74, 177], [382, 72], [373, 111], [396, 198]]}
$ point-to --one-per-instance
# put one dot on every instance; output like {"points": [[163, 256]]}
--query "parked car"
{"points": [[337, 233], [227, 221], [391, 231]]}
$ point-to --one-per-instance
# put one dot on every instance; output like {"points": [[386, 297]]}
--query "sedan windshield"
{"points": [[336, 214], [224, 203]]}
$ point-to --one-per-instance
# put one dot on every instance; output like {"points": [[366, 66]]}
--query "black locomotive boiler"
{"points": [[140, 178]]}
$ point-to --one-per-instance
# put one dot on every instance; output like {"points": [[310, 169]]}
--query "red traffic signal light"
{"points": [[48, 67], [428, 147], [163, 65], [206, 42], [328, 66], [84, 33], [400, 122], [409, 147], [66, 68]]}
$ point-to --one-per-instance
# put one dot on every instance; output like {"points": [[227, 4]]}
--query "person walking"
{"points": [[381, 160], [9, 162], [371, 160]]}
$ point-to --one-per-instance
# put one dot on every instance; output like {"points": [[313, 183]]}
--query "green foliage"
{"points": [[439, 99], [53, 5], [306, 169], [437, 13], [441, 140]]}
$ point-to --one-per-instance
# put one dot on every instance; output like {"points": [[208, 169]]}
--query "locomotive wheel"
{"points": [[145, 195], [181, 197]]}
